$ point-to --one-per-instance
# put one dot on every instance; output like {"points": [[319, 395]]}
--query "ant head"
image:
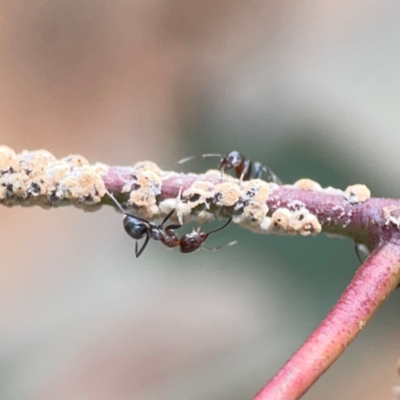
{"points": [[232, 160], [135, 228], [192, 241]]}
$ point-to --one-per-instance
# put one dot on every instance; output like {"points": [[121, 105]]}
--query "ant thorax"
{"points": [[155, 234]]}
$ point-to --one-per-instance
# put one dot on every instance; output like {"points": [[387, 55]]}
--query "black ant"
{"points": [[138, 228], [243, 167]]}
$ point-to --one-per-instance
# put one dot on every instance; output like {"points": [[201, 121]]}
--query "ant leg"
{"points": [[170, 228], [275, 179], [136, 248], [362, 251], [168, 216], [357, 252], [170, 239], [260, 168], [246, 172], [116, 202], [138, 253]]}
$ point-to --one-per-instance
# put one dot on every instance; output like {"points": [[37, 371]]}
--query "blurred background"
{"points": [[310, 88]]}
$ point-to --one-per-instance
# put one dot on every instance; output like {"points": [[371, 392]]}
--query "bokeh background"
{"points": [[311, 88]]}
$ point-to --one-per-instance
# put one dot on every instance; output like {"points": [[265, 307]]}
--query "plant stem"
{"points": [[372, 284], [37, 178]]}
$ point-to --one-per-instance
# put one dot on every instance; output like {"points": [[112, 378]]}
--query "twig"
{"points": [[374, 281], [38, 178]]}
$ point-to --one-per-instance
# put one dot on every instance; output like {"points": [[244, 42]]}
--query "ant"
{"points": [[138, 228], [243, 167]]}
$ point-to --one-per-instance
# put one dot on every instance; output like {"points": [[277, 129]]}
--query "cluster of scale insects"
{"points": [[140, 228]]}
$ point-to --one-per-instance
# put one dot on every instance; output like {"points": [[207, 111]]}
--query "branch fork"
{"points": [[38, 178]]}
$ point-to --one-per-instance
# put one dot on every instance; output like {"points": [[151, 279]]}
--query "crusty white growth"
{"points": [[248, 198], [204, 217], [255, 195], [182, 210], [354, 194], [295, 222], [38, 178], [149, 186], [332, 190], [280, 220], [227, 194], [199, 193], [8, 160], [84, 183], [392, 215], [307, 184], [357, 193]]}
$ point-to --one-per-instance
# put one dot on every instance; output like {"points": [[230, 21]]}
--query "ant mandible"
{"points": [[243, 167], [138, 228]]}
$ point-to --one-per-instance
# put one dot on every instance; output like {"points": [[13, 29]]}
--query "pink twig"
{"points": [[38, 178], [374, 281]]}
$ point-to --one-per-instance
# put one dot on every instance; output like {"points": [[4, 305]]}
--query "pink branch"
{"points": [[38, 178], [368, 222], [372, 284]]}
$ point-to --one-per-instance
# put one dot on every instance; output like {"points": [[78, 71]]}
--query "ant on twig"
{"points": [[139, 228], [244, 168]]}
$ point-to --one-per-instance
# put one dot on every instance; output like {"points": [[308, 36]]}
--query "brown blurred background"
{"points": [[310, 88]]}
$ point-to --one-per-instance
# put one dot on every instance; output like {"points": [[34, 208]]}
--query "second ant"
{"points": [[245, 169]]}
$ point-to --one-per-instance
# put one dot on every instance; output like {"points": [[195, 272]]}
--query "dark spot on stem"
{"points": [[194, 197], [34, 188]]}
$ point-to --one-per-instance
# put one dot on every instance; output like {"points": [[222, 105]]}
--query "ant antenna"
{"points": [[220, 247], [202, 156], [116, 202], [124, 211], [220, 228]]}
